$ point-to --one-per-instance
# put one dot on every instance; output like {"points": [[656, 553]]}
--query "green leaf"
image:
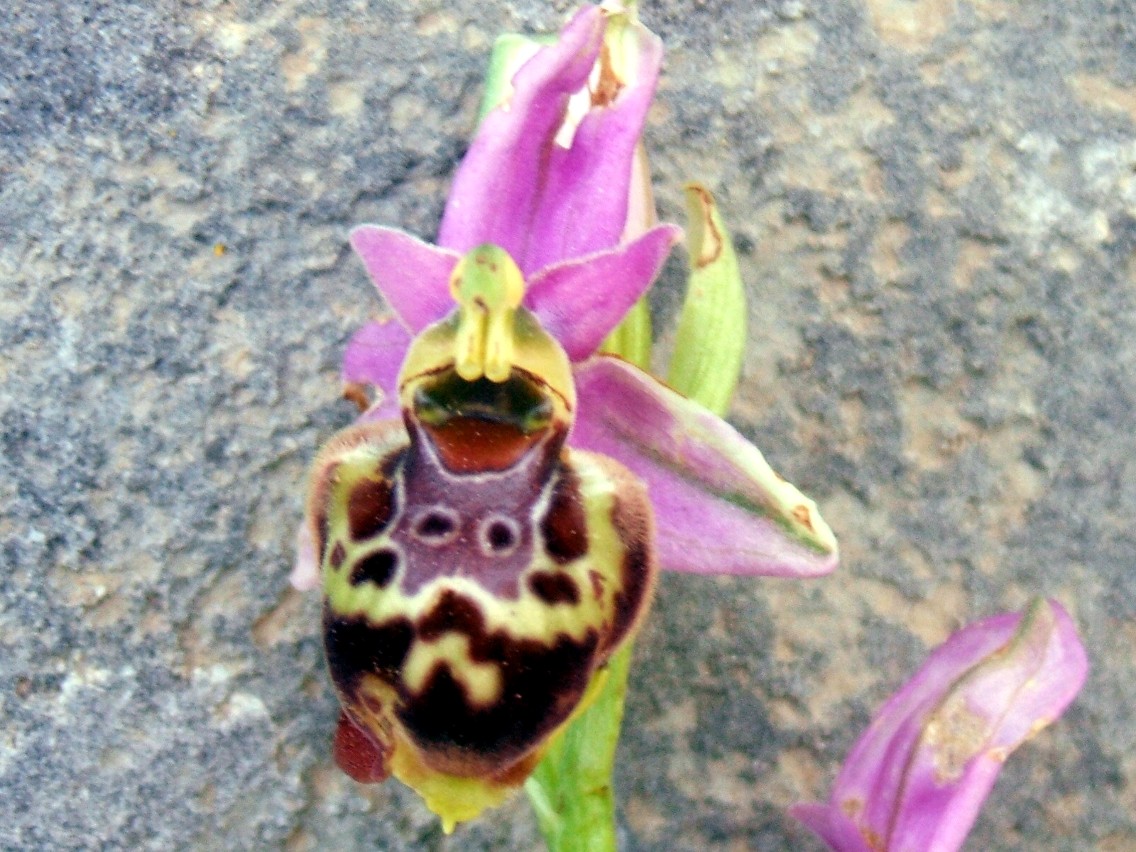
{"points": [[710, 341]]}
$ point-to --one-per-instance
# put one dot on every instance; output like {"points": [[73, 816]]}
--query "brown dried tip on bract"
{"points": [[711, 246], [804, 517]]}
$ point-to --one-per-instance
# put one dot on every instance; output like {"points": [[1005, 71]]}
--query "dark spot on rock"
{"points": [[565, 527], [378, 568], [215, 451], [338, 554], [369, 508], [554, 588]]}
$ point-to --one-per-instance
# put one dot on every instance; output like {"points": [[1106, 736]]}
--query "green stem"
{"points": [[571, 791]]}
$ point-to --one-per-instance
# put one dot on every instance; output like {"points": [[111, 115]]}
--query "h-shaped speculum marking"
{"points": [[488, 286]]}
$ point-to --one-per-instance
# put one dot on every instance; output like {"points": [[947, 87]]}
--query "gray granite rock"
{"points": [[935, 202]]}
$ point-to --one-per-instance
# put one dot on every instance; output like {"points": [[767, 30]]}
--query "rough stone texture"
{"points": [[935, 203]]}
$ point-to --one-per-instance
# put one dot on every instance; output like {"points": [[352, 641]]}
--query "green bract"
{"points": [[710, 340]]}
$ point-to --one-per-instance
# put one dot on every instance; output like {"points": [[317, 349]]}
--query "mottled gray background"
{"points": [[935, 206]]}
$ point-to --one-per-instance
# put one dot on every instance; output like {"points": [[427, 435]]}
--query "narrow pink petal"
{"points": [[305, 574], [412, 275], [580, 301], [585, 201], [719, 508], [917, 778], [497, 193]]}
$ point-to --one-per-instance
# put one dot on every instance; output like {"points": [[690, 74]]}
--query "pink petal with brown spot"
{"points": [[719, 509]]}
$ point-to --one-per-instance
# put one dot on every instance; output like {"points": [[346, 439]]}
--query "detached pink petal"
{"points": [[580, 301], [501, 185], [918, 777], [373, 357], [412, 275], [719, 507]]}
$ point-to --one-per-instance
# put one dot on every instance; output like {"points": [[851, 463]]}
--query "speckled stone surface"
{"points": [[935, 206]]}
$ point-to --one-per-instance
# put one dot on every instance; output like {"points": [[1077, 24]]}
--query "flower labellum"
{"points": [[477, 574], [917, 778]]}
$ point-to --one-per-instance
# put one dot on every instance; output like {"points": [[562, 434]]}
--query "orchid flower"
{"points": [[489, 531], [559, 213], [917, 778]]}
